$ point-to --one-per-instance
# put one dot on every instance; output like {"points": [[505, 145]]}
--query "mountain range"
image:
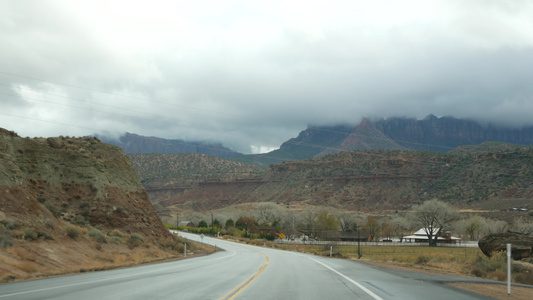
{"points": [[430, 134]]}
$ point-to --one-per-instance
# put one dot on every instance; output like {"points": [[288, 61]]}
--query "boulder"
{"points": [[521, 244]]}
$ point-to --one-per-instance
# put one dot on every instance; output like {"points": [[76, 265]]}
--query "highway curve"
{"points": [[244, 272]]}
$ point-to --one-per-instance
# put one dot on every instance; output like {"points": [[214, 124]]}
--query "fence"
{"points": [[464, 244]]}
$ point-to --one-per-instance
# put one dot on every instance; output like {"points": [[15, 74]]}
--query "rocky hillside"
{"points": [[61, 193], [375, 180]]}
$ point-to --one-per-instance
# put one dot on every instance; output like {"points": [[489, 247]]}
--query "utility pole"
{"points": [[212, 224]]}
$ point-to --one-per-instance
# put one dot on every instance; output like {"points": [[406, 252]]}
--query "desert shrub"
{"points": [[499, 275], [5, 238], [53, 210], [116, 236], [29, 234], [478, 272], [17, 234], [10, 224], [166, 243], [72, 231], [267, 236], [234, 231], [80, 220], [116, 239], [98, 235], [524, 278], [173, 244], [180, 247], [422, 260], [41, 199], [135, 240], [498, 261], [44, 235], [116, 232]]}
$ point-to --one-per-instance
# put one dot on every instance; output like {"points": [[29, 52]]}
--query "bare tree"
{"points": [[472, 226], [399, 226], [373, 227], [309, 218], [496, 226], [350, 221], [269, 212], [434, 216]]}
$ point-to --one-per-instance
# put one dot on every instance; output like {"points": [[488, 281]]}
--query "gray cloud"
{"points": [[253, 75]]}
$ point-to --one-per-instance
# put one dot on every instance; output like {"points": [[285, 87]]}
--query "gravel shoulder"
{"points": [[497, 291]]}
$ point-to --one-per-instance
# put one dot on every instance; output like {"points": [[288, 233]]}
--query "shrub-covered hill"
{"points": [[373, 180], [165, 169], [69, 204]]}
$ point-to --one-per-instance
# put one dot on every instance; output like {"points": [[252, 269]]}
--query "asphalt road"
{"points": [[244, 272]]}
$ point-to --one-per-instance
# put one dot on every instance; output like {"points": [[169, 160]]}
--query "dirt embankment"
{"points": [[70, 203]]}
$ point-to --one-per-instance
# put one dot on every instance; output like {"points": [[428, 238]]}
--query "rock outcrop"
{"points": [[521, 244]]}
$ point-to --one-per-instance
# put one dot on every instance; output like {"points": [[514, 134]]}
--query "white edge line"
{"points": [[349, 279]]}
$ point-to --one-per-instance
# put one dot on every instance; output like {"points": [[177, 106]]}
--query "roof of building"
{"points": [[421, 234], [185, 223]]}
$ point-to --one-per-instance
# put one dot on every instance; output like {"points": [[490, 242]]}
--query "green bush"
{"points": [[135, 240], [80, 220], [267, 236], [44, 235], [116, 232], [98, 235], [116, 236], [498, 261], [10, 224], [73, 232], [5, 237], [29, 234], [116, 239]]}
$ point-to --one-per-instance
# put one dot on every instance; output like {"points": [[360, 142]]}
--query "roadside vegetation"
{"points": [[264, 225], [77, 247]]}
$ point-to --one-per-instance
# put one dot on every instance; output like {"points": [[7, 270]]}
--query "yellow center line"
{"points": [[236, 291]]}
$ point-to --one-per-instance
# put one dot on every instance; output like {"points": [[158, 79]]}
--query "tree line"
{"points": [[314, 222]]}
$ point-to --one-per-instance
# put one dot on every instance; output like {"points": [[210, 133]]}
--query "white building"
{"points": [[420, 236]]}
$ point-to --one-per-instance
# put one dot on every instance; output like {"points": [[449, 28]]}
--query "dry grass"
{"points": [[36, 259], [496, 291], [454, 261], [20, 252], [27, 266]]}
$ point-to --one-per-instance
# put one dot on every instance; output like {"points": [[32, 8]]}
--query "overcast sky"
{"points": [[252, 74]]}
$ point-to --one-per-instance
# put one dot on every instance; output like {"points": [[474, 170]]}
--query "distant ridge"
{"points": [[447, 133], [431, 134], [137, 144]]}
